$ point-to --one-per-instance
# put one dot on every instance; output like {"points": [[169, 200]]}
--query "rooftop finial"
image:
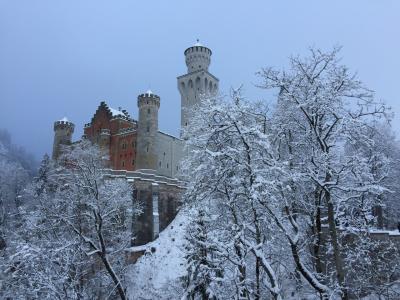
{"points": [[198, 43]]}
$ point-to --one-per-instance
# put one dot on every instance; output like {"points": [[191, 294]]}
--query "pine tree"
{"points": [[202, 262]]}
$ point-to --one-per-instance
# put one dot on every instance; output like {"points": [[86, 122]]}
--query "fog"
{"points": [[63, 58]]}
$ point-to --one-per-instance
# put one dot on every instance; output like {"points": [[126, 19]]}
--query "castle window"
{"points": [[164, 153], [177, 168], [148, 128], [133, 162], [167, 166], [147, 149], [159, 164], [148, 111], [123, 164]]}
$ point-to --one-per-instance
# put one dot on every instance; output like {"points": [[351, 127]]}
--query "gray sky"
{"points": [[61, 58]]}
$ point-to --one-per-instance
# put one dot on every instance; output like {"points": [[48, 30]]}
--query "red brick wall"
{"points": [[122, 147], [123, 152]]}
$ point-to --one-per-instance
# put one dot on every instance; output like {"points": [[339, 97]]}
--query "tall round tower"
{"points": [[146, 154], [197, 57], [63, 130], [197, 83]]}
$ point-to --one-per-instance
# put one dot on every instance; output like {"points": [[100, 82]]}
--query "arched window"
{"points": [[198, 84]]}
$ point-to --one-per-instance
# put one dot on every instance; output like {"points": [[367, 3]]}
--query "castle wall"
{"points": [[159, 198], [169, 153]]}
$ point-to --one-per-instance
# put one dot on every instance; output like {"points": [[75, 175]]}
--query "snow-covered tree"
{"points": [[294, 190], [228, 155], [77, 233], [203, 265], [322, 108]]}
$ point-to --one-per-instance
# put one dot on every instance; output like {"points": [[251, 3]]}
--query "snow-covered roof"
{"points": [[116, 112], [198, 43], [149, 92], [65, 119]]}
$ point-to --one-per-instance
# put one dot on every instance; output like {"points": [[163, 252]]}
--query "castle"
{"points": [[142, 154]]}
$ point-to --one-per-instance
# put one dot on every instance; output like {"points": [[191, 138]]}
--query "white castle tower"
{"points": [[198, 82]]}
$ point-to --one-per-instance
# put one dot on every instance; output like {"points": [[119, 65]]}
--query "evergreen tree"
{"points": [[202, 260]]}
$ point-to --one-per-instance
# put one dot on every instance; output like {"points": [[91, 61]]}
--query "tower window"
{"points": [[167, 165], [148, 128], [159, 164], [133, 162], [148, 111], [123, 163], [147, 149]]}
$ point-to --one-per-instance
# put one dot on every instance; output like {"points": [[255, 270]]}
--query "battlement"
{"points": [[197, 57], [64, 124], [148, 98], [198, 48]]}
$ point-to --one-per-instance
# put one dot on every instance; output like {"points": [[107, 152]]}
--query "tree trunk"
{"points": [[335, 244]]}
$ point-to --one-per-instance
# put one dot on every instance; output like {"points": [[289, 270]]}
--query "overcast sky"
{"points": [[62, 58]]}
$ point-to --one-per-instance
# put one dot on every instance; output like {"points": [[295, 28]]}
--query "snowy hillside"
{"points": [[156, 274]]}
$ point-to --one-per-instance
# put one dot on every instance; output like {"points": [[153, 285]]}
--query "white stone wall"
{"points": [[169, 152]]}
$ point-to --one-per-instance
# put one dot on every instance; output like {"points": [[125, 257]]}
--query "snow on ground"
{"points": [[156, 275]]}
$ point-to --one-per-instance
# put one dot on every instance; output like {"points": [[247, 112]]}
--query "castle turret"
{"points": [[197, 83], [146, 154], [63, 130]]}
